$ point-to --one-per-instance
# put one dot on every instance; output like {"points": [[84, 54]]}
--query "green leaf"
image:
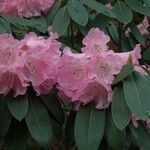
{"points": [[16, 138], [137, 34], [69, 129], [61, 21], [77, 12], [115, 138], [113, 30], [120, 111], [89, 127], [38, 23], [17, 106], [39, 122], [54, 106], [123, 12], [146, 55], [147, 2], [141, 136], [52, 12], [137, 6], [137, 94], [99, 8], [5, 117], [125, 72], [4, 27], [125, 45], [132, 40]]}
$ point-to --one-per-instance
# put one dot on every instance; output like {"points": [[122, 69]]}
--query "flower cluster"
{"points": [[25, 8], [81, 77], [32, 60], [88, 76]]}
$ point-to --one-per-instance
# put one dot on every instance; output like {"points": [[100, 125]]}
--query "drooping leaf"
{"points": [[137, 34], [146, 55], [120, 111], [5, 117], [113, 30], [136, 91], [52, 12], [122, 12], [16, 137], [61, 21], [17, 106], [54, 106], [38, 23], [69, 130], [132, 40], [39, 122], [125, 72], [4, 27], [115, 138], [125, 45], [141, 136], [89, 121], [137, 6], [99, 8], [77, 12], [147, 2]]}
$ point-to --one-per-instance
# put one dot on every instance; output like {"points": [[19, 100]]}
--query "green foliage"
{"points": [[119, 109], [55, 124], [89, 127], [39, 122], [136, 92], [17, 106]]}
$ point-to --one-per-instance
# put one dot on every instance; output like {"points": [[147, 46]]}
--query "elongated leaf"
{"points": [[147, 54], [141, 136], [61, 21], [39, 122], [132, 40], [89, 127], [52, 12], [138, 7], [147, 2], [125, 44], [4, 27], [136, 91], [54, 106], [17, 106], [137, 34], [69, 130], [120, 111], [125, 72], [123, 12], [16, 138], [77, 12], [113, 30], [38, 23], [99, 8], [5, 117], [115, 138]]}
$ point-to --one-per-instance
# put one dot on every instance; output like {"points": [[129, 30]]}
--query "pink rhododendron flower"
{"points": [[135, 120], [11, 73], [95, 41], [40, 57], [109, 6], [136, 55], [25, 8], [97, 91], [72, 69], [143, 27], [104, 66]]}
